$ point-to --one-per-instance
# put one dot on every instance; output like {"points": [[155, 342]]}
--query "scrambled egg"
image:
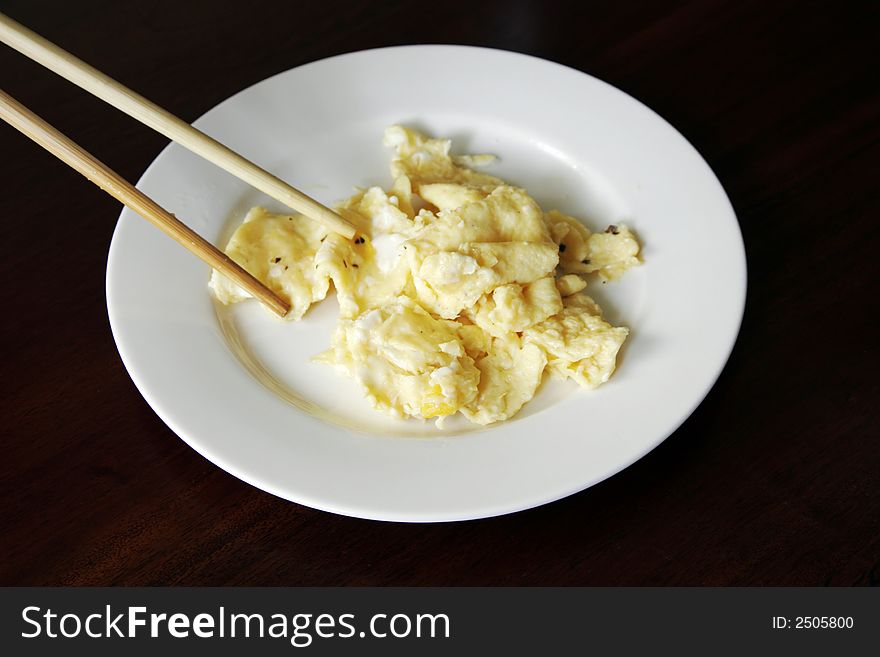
{"points": [[460, 306], [406, 361], [278, 250], [510, 373], [581, 252], [463, 253], [579, 344], [513, 308]]}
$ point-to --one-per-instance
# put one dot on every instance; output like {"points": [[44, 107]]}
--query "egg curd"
{"points": [[458, 292]]}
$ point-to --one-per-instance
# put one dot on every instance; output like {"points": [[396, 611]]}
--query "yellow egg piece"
{"points": [[510, 373], [513, 308], [407, 362], [425, 160], [579, 344], [279, 251]]}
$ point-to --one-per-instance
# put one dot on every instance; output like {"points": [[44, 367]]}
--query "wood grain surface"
{"points": [[774, 480]]}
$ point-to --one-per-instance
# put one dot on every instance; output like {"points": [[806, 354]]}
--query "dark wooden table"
{"points": [[774, 480]]}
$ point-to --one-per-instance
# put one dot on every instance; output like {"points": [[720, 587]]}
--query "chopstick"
{"points": [[68, 151], [75, 70]]}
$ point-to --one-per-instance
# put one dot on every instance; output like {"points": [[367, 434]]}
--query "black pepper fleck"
{"points": [[585, 261], [277, 260], [355, 265], [561, 248], [612, 229], [359, 240]]}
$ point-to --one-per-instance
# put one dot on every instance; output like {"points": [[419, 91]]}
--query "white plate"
{"points": [[238, 386]]}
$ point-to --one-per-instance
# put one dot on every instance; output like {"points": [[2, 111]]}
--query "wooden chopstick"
{"points": [[68, 151], [75, 70]]}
